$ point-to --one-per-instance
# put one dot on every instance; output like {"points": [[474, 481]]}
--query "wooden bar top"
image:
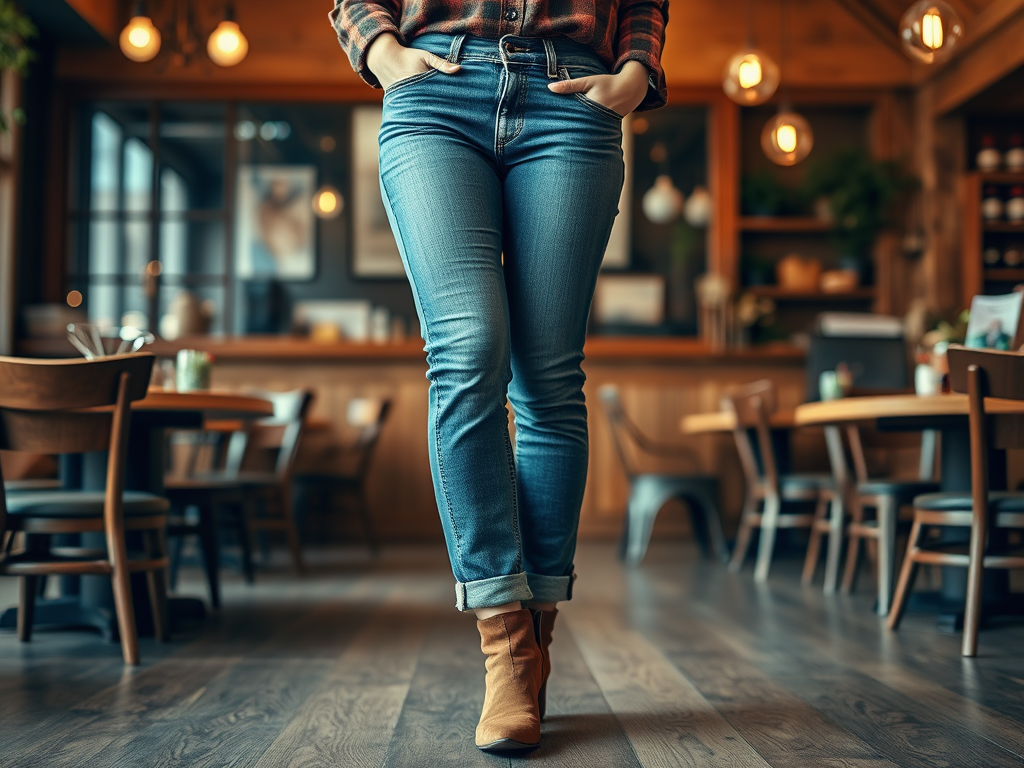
{"points": [[602, 349]]}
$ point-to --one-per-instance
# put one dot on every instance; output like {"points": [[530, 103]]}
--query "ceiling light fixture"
{"points": [[751, 76], [930, 30]]}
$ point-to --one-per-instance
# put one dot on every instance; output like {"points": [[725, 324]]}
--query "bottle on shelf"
{"points": [[992, 257], [991, 204], [1015, 154], [1015, 205], [989, 158]]}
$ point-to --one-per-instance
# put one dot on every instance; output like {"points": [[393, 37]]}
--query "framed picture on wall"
{"points": [[374, 250], [275, 228]]}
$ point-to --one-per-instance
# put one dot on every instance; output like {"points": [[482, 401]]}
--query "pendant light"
{"points": [[140, 39], [328, 202], [227, 45], [751, 76], [787, 138], [930, 30]]}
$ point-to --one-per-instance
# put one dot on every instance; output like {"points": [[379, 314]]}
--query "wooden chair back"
{"points": [[367, 415], [72, 406], [282, 431], [752, 406]]}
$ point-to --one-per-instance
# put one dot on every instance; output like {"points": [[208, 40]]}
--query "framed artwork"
{"points": [[275, 227], [374, 250], [629, 299], [996, 322]]}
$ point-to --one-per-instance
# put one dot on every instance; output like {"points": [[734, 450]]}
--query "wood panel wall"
{"points": [[400, 490]]}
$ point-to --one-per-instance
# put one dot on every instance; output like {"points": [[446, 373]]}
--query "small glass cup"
{"points": [[193, 369]]}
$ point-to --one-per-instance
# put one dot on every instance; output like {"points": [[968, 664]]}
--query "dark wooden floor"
{"points": [[673, 664]]}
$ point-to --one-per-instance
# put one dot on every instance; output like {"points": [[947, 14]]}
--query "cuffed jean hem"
{"points": [[487, 593], [551, 589]]}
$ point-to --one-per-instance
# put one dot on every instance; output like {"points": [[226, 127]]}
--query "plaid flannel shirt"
{"points": [[617, 30]]}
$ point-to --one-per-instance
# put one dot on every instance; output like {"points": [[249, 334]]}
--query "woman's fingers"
{"points": [[436, 62], [576, 85]]}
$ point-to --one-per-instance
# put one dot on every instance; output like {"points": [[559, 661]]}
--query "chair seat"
{"points": [[906, 490], [962, 502], [807, 482], [81, 504]]}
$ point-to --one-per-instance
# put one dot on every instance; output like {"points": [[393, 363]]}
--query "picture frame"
{"points": [[629, 300], [375, 253], [275, 227], [997, 322]]}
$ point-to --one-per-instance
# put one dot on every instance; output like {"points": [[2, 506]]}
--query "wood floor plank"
{"points": [[438, 720], [350, 718], [667, 720]]}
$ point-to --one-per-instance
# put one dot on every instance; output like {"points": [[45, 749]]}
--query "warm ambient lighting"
{"points": [[750, 77], [787, 138], [140, 40], [75, 299], [328, 203], [930, 30], [227, 45]]}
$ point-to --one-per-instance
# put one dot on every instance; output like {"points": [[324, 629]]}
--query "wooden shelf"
{"points": [[1002, 177], [784, 224], [1005, 275], [1003, 226], [781, 294]]}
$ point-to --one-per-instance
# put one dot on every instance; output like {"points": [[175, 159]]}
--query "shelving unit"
{"points": [[784, 224], [978, 234], [781, 294]]}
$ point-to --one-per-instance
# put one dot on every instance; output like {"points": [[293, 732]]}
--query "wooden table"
{"points": [[88, 600], [725, 421], [949, 415]]}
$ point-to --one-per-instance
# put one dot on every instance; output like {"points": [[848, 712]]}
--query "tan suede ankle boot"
{"points": [[510, 720], [543, 625]]}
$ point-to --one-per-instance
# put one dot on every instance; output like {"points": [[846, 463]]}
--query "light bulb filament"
{"points": [[227, 42], [931, 29], [750, 72], [785, 137], [139, 37]]}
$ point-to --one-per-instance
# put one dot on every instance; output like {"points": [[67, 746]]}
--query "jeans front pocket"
{"points": [[589, 102], [412, 79]]}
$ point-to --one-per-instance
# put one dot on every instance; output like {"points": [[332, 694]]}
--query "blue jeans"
{"points": [[501, 195]]}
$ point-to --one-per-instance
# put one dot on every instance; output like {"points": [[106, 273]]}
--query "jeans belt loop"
{"points": [[549, 50], [455, 53]]}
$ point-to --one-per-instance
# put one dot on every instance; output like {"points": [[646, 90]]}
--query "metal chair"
{"points": [[648, 491]]}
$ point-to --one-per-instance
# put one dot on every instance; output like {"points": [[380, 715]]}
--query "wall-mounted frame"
{"points": [[275, 228], [374, 250]]}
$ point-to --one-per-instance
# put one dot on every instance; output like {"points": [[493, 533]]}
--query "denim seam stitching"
{"points": [[411, 80], [514, 520], [437, 382], [599, 108]]}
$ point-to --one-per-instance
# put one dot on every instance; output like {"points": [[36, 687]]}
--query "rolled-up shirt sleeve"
{"points": [[641, 37], [358, 23]]}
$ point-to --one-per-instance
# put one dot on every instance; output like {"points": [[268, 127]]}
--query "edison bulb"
{"points": [[787, 138], [930, 30], [328, 202], [140, 40], [227, 45], [662, 203], [750, 77]]}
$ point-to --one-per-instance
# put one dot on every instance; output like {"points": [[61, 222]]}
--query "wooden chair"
{"points": [[980, 373], [366, 416], [266, 496], [767, 490], [887, 497], [80, 406], [649, 491]]}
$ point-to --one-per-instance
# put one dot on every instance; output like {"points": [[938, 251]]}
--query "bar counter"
{"points": [[662, 379]]}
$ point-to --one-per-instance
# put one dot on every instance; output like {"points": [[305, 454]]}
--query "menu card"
{"points": [[996, 322]]}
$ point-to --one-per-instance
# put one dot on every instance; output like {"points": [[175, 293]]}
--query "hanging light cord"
{"points": [[783, 46]]}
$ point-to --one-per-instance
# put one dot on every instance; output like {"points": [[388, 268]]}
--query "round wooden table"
{"points": [[88, 600], [949, 415], [725, 421]]}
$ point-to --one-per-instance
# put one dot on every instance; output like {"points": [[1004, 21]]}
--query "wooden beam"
{"points": [[104, 16], [995, 51], [875, 22]]}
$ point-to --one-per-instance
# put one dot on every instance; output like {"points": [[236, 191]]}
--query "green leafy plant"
{"points": [[862, 193], [15, 55]]}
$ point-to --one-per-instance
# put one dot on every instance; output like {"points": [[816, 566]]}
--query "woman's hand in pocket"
{"points": [[390, 61], [621, 93]]}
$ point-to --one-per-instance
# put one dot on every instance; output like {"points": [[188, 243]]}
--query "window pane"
{"points": [[192, 145], [105, 163], [138, 176]]}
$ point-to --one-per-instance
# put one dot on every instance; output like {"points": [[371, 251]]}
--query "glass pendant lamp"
{"points": [[140, 39], [227, 45], [751, 76], [787, 138], [930, 30]]}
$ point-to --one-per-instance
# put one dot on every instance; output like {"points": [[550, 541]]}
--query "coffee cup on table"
{"points": [[193, 369]]}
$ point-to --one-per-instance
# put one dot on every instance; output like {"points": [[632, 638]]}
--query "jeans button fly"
{"points": [[511, 14]]}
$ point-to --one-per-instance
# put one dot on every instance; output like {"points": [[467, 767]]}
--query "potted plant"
{"points": [[15, 55], [861, 193]]}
